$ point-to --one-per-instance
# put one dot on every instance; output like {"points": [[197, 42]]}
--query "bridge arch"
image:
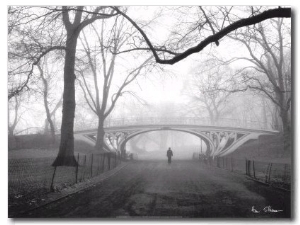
{"points": [[121, 146], [220, 140]]}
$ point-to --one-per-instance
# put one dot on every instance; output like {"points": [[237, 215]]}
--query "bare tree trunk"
{"points": [[65, 155], [11, 128], [286, 129], [10, 131], [52, 131], [100, 135], [211, 117], [45, 97], [284, 118], [46, 127], [264, 113], [217, 117], [52, 114]]}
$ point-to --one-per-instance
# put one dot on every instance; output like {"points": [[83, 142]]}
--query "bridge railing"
{"points": [[204, 121]]}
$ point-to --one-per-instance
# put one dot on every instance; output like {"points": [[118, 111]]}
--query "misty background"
{"points": [[212, 85]]}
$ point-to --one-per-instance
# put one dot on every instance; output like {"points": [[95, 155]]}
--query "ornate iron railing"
{"points": [[204, 121]]}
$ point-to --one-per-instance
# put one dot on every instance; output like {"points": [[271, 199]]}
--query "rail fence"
{"points": [[30, 178], [204, 121], [273, 174]]}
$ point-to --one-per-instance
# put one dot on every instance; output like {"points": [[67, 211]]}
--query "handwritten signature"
{"points": [[265, 209]]}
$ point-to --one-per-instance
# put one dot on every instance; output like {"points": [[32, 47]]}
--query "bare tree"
{"points": [[53, 116], [47, 78], [98, 97], [271, 70], [41, 20], [46, 104], [206, 90], [73, 28]]}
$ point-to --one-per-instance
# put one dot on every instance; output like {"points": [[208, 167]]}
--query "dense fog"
{"points": [[154, 145]]}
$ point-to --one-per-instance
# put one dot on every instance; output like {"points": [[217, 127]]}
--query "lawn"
{"points": [[30, 172]]}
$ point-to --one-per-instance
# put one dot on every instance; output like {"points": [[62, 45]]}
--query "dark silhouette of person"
{"points": [[169, 155]]}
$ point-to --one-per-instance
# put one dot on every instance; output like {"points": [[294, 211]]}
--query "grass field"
{"points": [[30, 172], [268, 148]]}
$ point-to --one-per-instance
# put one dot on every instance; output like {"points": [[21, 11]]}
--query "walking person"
{"points": [[169, 155]]}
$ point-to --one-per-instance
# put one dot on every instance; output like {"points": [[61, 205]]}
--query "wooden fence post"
{"points": [[248, 162], [98, 164], [284, 179], [249, 167], [92, 165], [77, 168], [268, 173], [269, 179], [108, 161], [84, 167], [52, 181], [253, 166], [103, 162]]}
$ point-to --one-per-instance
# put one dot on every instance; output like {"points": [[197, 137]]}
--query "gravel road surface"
{"points": [[184, 189]]}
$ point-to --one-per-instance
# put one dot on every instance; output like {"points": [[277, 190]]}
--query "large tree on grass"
{"points": [[65, 22], [73, 28]]}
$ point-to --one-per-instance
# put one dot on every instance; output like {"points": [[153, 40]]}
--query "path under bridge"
{"points": [[221, 138]]}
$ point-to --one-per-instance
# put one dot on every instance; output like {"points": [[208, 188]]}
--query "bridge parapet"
{"points": [[204, 121], [221, 138]]}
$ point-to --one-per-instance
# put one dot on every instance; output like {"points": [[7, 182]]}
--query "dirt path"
{"points": [[182, 189]]}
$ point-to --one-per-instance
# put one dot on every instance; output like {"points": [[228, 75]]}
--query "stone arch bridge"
{"points": [[221, 138]]}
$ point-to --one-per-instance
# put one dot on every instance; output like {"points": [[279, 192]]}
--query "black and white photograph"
{"points": [[141, 112]]}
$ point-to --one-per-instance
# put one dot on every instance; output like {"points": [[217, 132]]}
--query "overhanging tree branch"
{"points": [[272, 13]]}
